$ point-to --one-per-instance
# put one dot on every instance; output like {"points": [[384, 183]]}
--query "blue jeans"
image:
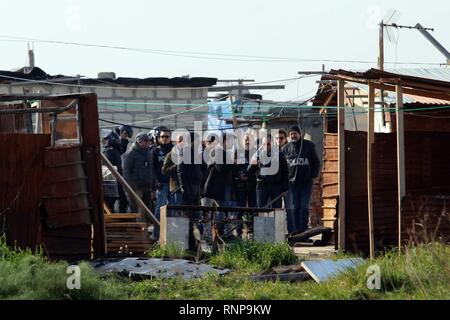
{"points": [[176, 198], [265, 193], [297, 206], [162, 199]]}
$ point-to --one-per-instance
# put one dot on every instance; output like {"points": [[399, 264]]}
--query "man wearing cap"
{"points": [[139, 171], [304, 166]]}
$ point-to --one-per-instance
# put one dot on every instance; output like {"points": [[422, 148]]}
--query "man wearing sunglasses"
{"points": [[281, 138], [164, 146], [139, 171]]}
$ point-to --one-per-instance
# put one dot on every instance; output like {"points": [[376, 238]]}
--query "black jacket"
{"points": [[123, 145], [113, 155], [304, 168], [160, 154], [264, 176], [220, 175], [190, 177], [139, 169], [242, 168]]}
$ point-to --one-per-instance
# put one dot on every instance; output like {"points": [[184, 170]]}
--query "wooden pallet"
{"points": [[126, 233]]}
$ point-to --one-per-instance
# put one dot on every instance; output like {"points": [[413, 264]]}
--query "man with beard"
{"points": [[304, 166]]}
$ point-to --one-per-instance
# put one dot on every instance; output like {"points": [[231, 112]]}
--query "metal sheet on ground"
{"points": [[157, 268], [323, 270]]}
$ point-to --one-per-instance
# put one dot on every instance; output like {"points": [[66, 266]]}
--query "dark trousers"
{"points": [[297, 206], [192, 197], [265, 193], [123, 200], [146, 196], [244, 198]]}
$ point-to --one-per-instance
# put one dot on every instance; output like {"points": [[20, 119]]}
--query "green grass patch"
{"points": [[25, 275], [171, 250], [421, 272], [252, 256]]}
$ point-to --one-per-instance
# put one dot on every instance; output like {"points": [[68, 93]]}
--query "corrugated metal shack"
{"points": [[404, 194], [50, 181]]}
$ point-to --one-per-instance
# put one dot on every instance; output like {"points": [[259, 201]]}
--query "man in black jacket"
{"points": [[219, 185], [139, 171], [111, 150], [163, 189], [272, 174], [245, 183], [190, 178], [304, 166]]}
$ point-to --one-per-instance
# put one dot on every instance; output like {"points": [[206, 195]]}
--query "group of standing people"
{"points": [[242, 178]]}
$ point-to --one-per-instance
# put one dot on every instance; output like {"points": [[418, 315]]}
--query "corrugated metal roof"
{"points": [[441, 74]]}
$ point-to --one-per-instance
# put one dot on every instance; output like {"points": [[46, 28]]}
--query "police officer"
{"points": [[304, 166], [272, 174], [164, 147], [111, 150]]}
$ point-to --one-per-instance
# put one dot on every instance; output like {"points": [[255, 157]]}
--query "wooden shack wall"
{"points": [[427, 157], [71, 228]]}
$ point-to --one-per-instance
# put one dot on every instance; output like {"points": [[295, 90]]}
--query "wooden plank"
{"points": [[370, 140], [341, 157], [149, 215], [162, 228], [89, 131], [400, 159], [106, 209]]}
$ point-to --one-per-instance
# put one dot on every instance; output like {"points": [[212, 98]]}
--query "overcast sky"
{"points": [[337, 30]]}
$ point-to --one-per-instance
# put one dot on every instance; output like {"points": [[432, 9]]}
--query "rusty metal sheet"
{"points": [[65, 188], [15, 123], [21, 185]]}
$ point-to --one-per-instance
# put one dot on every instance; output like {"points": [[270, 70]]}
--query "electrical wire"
{"points": [[206, 55]]}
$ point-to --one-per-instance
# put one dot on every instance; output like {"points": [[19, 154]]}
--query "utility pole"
{"points": [[381, 47], [30, 57]]}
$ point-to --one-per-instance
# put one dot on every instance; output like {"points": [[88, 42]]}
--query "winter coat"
{"points": [[242, 168], [265, 176], [113, 155], [139, 169], [190, 177], [169, 169], [303, 168], [220, 176], [123, 145], [160, 154]]}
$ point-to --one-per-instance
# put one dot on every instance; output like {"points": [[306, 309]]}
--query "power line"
{"points": [[208, 55]]}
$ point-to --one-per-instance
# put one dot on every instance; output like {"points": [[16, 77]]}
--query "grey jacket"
{"points": [[139, 168]]}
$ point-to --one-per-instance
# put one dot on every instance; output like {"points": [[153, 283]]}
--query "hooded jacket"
{"points": [[305, 167]]}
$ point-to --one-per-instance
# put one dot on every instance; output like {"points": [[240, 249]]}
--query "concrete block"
{"points": [[133, 106], [124, 93], [144, 93], [155, 106], [264, 229], [183, 94], [271, 227], [165, 93], [173, 230], [4, 89], [280, 225], [104, 93]]}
